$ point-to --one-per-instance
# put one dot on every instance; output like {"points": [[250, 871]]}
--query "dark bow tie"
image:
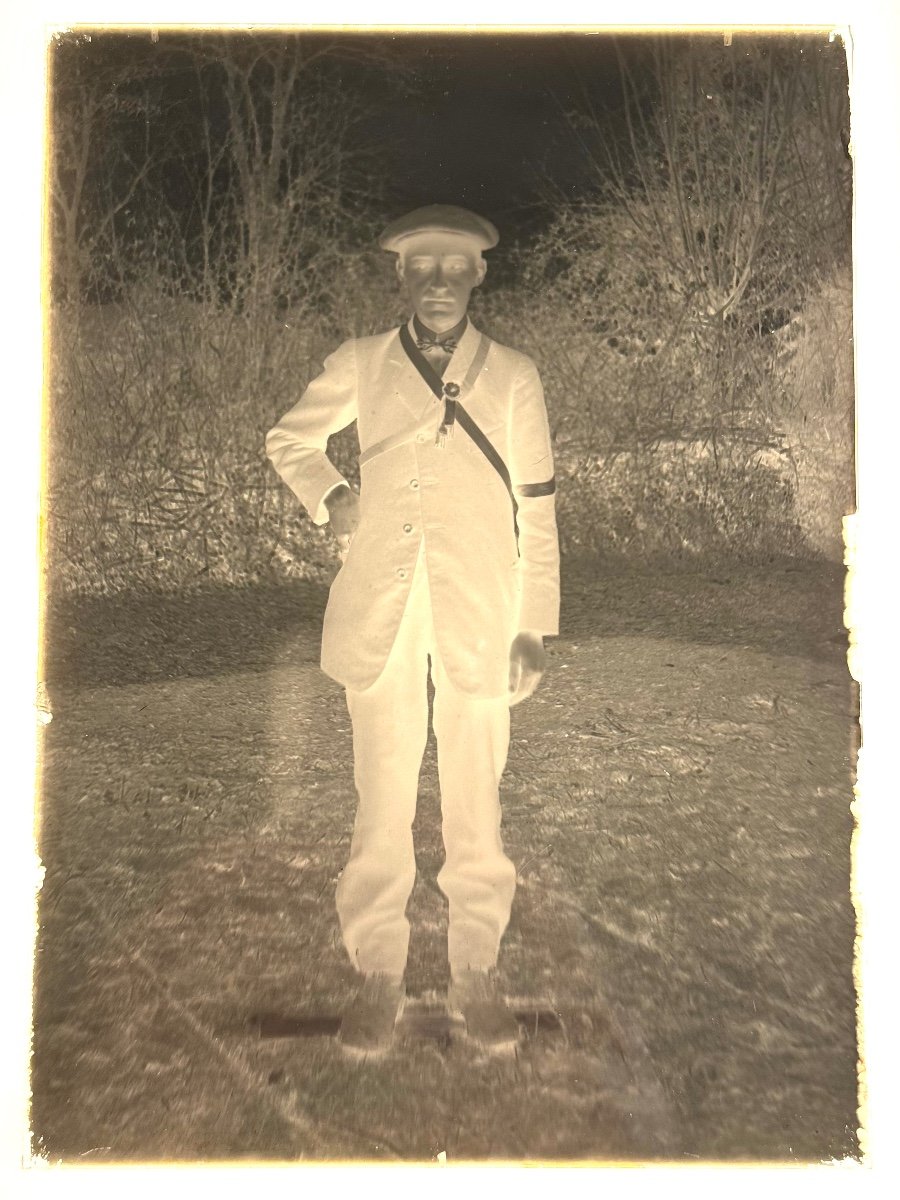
{"points": [[430, 343]]}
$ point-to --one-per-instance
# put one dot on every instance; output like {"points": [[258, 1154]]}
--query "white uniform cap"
{"points": [[440, 218]]}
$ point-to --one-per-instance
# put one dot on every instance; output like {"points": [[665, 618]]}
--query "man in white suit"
{"points": [[450, 559]]}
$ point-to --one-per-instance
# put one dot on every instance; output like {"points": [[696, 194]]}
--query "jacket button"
{"points": [[401, 574], [414, 483], [420, 437], [407, 528]]}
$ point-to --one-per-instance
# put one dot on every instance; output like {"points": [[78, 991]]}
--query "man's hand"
{"points": [[343, 515], [527, 663]]}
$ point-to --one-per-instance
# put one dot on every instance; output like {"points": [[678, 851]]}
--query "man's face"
{"points": [[440, 271]]}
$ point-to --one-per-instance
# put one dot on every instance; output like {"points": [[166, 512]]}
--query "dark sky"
{"points": [[476, 119], [488, 125]]}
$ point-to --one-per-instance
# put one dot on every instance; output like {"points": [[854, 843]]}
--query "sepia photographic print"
{"points": [[449, 742]]}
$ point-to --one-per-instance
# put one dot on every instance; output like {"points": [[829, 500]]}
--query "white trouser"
{"points": [[390, 728]]}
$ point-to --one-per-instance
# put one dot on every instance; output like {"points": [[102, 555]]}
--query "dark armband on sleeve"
{"points": [[531, 490]]}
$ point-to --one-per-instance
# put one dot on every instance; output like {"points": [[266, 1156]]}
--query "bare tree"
{"points": [[104, 114], [735, 173]]}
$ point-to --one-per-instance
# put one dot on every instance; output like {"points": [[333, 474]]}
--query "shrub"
{"points": [[818, 412], [683, 421], [159, 408]]}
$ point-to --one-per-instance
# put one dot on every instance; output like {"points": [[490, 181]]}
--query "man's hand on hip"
{"points": [[343, 515], [527, 663]]}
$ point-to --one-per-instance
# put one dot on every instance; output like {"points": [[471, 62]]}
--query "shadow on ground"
{"points": [[780, 606]]}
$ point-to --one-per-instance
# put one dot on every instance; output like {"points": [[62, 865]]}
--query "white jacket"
{"points": [[484, 588]]}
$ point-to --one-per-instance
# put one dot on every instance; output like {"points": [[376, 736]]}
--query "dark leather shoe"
{"points": [[367, 1027], [489, 1022]]}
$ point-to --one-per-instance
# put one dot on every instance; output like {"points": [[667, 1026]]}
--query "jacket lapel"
{"points": [[462, 356], [412, 388]]}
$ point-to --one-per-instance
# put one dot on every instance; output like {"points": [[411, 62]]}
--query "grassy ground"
{"points": [[677, 803]]}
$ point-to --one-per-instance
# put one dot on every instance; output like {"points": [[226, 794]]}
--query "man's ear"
{"points": [[482, 271], [398, 267]]}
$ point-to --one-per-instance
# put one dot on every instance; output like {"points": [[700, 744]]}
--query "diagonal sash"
{"points": [[485, 445], [449, 393], [454, 411], [421, 363]]}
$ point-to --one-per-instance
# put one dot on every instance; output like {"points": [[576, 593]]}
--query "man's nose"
{"points": [[437, 276]]}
